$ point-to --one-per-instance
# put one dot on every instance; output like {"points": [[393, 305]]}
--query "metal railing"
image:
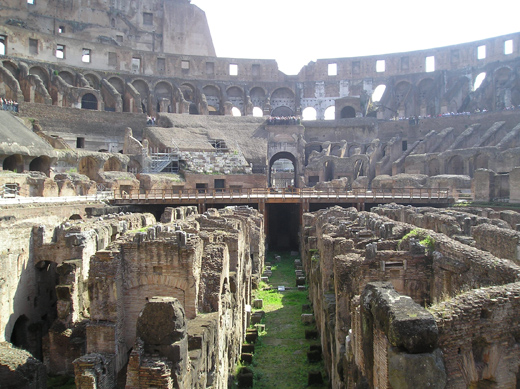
{"points": [[287, 193]]}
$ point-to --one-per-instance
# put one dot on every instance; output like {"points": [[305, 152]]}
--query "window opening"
{"points": [[508, 47], [161, 65], [257, 112], [30, 2], [430, 64], [112, 59], [80, 143], [85, 57], [380, 65], [147, 18], [210, 68], [136, 65], [3, 44], [481, 52], [33, 46], [333, 69], [61, 29], [185, 65], [233, 69], [60, 51], [119, 38], [236, 112]]}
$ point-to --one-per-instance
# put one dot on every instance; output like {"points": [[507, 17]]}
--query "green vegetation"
{"points": [[424, 239], [280, 359]]}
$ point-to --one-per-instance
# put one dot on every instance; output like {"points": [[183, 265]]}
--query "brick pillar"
{"points": [[484, 184]]}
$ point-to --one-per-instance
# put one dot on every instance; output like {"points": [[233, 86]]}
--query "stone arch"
{"points": [[481, 161], [258, 96], [336, 150], [212, 94], [426, 96], [112, 165], [89, 101], [134, 167], [283, 155], [144, 91], [434, 167], [93, 80], [68, 77], [360, 167], [502, 87], [189, 94], [354, 148], [19, 335], [348, 112], [401, 98], [118, 84], [42, 73], [455, 165], [282, 111], [283, 97], [41, 164], [14, 163], [330, 113], [163, 94], [12, 67], [89, 167], [309, 113], [235, 95]]}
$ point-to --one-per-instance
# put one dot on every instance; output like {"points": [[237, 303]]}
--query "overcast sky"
{"points": [[295, 32]]}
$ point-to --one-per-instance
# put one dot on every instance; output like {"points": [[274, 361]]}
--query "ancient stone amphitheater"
{"points": [[143, 179]]}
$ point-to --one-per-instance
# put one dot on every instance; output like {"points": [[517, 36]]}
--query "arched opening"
{"points": [[163, 94], [478, 80], [93, 81], [329, 170], [112, 165], [235, 95], [257, 96], [89, 167], [89, 101], [212, 94], [236, 112], [282, 111], [359, 168], [193, 109], [336, 150], [41, 164], [434, 168], [377, 95], [257, 112], [19, 336], [144, 91], [481, 162], [455, 165], [348, 112], [14, 163], [283, 98], [330, 113], [354, 150], [42, 73], [67, 77], [282, 170], [309, 113], [134, 167]]}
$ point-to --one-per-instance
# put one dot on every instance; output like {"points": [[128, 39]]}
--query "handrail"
{"points": [[285, 193]]}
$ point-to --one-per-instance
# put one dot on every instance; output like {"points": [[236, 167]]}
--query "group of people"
{"points": [[283, 120], [150, 120], [8, 105]]}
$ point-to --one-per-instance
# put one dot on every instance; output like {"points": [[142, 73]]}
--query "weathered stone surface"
{"points": [[416, 370], [162, 322], [19, 369]]}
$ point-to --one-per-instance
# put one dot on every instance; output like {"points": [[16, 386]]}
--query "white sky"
{"points": [[295, 32]]}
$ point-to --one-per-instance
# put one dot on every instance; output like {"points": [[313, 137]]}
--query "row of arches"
{"points": [[18, 163]]}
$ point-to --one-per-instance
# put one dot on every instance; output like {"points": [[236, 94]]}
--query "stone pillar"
{"points": [[484, 184], [514, 185]]}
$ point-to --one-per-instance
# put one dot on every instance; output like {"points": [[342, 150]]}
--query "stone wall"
{"points": [[344, 250], [208, 263]]}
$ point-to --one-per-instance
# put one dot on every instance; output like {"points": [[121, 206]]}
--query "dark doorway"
{"points": [[284, 224], [348, 112], [89, 101]]}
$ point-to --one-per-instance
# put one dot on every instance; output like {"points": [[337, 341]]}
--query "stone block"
{"points": [[307, 318], [258, 303], [248, 348], [424, 370]]}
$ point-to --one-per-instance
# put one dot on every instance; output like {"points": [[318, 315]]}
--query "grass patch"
{"points": [[280, 359]]}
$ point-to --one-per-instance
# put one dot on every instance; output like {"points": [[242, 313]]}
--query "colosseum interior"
{"points": [[144, 180]]}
